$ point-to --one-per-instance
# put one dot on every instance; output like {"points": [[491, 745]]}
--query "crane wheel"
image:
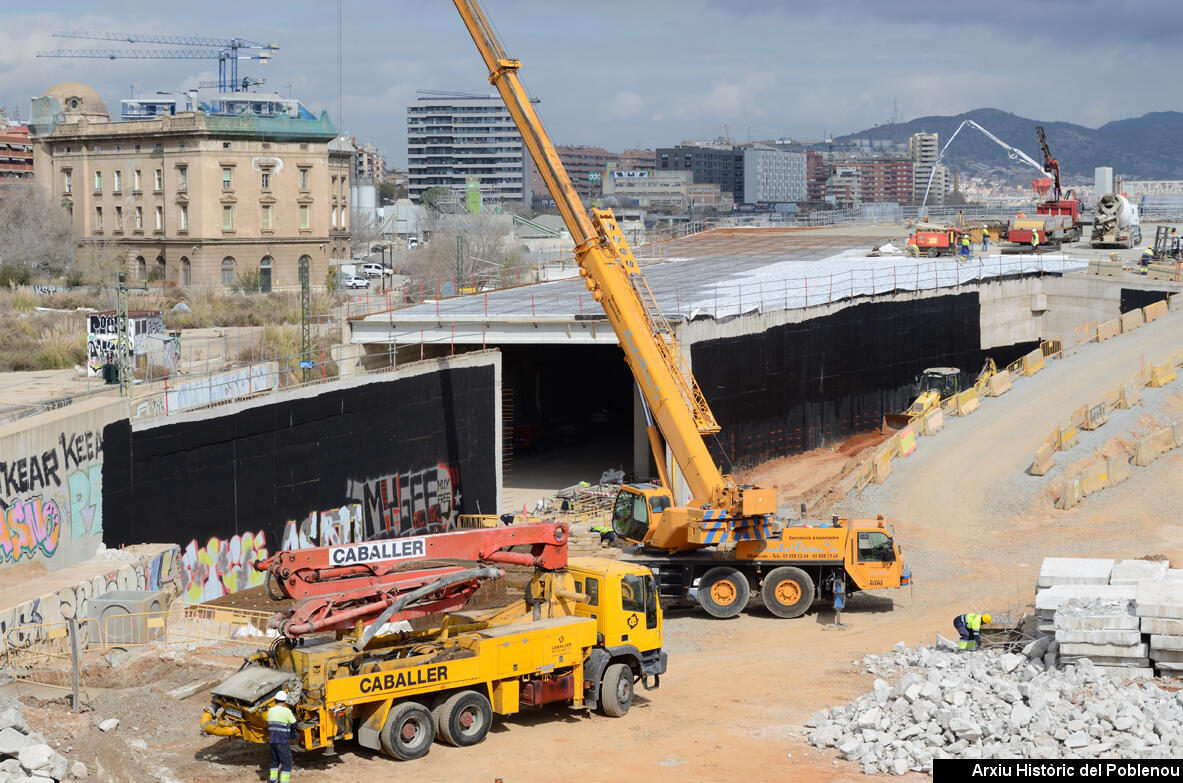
{"points": [[787, 592], [408, 732], [616, 690], [723, 592], [463, 718]]}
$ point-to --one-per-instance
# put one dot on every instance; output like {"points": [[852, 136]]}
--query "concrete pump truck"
{"points": [[724, 541]]}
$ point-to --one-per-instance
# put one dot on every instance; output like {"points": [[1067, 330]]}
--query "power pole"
{"points": [[459, 260], [122, 338]]}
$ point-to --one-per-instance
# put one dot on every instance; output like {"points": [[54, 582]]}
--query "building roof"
{"points": [[78, 99]]}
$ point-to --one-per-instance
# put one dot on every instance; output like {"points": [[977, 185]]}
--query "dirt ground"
{"points": [[974, 527]]}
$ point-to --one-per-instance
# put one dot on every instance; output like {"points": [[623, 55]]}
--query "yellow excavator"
{"points": [[751, 549], [937, 384]]}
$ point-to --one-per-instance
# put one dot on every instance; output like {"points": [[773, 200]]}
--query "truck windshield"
{"points": [[873, 545]]}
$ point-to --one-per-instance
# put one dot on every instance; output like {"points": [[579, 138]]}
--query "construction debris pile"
{"points": [[27, 757], [994, 704], [1127, 616]]}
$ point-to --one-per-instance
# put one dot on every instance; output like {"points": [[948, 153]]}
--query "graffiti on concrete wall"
{"points": [[28, 526], [400, 504], [102, 334], [327, 528], [46, 612], [47, 494], [222, 566]]}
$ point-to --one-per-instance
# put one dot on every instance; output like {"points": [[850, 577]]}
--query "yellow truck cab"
{"points": [[791, 569], [582, 637]]}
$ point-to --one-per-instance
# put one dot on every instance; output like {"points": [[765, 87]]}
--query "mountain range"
{"points": [[1146, 147]]}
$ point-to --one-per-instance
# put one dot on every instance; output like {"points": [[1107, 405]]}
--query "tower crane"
{"points": [[227, 51]]}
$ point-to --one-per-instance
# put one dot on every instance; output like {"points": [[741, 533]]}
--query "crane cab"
{"points": [[638, 510]]}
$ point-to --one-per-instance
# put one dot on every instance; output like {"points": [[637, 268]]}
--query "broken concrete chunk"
{"points": [[110, 724], [44, 760], [10, 717], [11, 741], [78, 771], [1037, 648]]}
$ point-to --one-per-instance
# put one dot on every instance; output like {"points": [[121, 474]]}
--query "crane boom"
{"points": [[1050, 164], [1014, 153], [610, 271]]}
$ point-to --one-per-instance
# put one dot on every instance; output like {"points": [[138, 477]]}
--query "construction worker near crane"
{"points": [[607, 534], [1034, 239], [279, 723], [965, 245], [985, 239], [969, 626]]}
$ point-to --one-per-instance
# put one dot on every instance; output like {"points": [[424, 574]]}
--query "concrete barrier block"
{"points": [[907, 439], [1094, 478], [934, 420], [1177, 432], [1054, 571], [882, 466], [1146, 453], [1161, 375], [1071, 495], [1154, 310], [1119, 470], [1131, 321], [1096, 416], [1159, 599], [1132, 572], [1044, 461], [1069, 436], [1108, 329], [967, 402], [1175, 302], [1033, 362], [999, 384], [1159, 625], [1131, 395]]}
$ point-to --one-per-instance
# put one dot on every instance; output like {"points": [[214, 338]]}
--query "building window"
{"points": [[333, 219], [67, 181], [266, 179], [135, 181], [98, 218], [304, 216], [227, 182], [184, 217], [227, 271], [161, 270], [227, 218], [98, 182], [183, 177], [159, 180], [141, 268], [119, 218], [303, 179], [139, 218], [265, 218], [186, 271], [159, 218], [117, 180]]}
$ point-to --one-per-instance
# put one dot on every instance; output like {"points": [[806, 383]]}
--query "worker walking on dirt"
{"points": [[965, 245], [985, 239], [969, 626], [279, 723]]}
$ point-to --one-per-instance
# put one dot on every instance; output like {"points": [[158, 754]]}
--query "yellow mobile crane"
{"points": [[786, 566]]}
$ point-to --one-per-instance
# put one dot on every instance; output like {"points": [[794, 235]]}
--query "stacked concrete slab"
{"points": [[1103, 629], [1160, 607], [1074, 571]]}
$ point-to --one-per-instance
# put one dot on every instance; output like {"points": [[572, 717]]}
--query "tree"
{"points": [[97, 264], [36, 234], [433, 195], [364, 231]]}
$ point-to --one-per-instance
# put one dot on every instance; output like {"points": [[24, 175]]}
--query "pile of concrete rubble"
{"points": [[25, 757], [941, 703]]}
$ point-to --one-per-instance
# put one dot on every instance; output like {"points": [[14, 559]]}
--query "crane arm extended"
{"points": [[1050, 164], [610, 271], [175, 40], [1014, 153]]}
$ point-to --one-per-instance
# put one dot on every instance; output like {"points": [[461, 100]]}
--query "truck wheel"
{"points": [[463, 718], [932, 252], [408, 731], [723, 592], [787, 592], [616, 690]]}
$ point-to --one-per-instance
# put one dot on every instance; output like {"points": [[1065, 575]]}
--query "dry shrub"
{"points": [[24, 302], [282, 344], [62, 345]]}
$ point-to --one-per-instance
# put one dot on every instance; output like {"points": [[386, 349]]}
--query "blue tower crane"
{"points": [[227, 51]]}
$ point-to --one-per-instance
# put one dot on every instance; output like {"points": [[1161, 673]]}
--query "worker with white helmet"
{"points": [[969, 626], [985, 238], [279, 723]]}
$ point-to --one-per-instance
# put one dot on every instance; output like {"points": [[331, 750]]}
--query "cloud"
{"points": [[623, 105]]}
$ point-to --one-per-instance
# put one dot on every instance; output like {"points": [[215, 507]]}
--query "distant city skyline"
{"points": [[625, 75]]}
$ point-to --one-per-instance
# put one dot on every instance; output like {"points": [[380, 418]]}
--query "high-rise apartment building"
{"points": [[194, 199], [369, 163], [773, 175], [722, 166], [16, 151], [451, 140], [882, 179], [586, 166], [923, 149]]}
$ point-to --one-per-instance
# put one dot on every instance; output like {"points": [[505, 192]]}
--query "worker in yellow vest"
{"points": [[969, 627], [279, 725]]}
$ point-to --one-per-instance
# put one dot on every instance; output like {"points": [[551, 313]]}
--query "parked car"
{"points": [[374, 270], [356, 282]]}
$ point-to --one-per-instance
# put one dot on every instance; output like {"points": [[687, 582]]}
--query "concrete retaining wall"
{"points": [[51, 484]]}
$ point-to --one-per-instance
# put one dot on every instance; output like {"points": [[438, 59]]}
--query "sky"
{"points": [[620, 74]]}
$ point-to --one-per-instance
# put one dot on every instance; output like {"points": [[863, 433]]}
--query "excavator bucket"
{"points": [[896, 421]]}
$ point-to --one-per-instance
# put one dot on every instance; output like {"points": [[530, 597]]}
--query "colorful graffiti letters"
{"points": [[31, 473], [86, 503], [424, 501], [27, 526], [328, 528], [222, 566]]}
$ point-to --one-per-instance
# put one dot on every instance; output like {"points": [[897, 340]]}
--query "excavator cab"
{"points": [[945, 381], [638, 510]]}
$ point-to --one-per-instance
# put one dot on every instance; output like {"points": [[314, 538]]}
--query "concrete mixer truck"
{"points": [[1116, 223]]}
